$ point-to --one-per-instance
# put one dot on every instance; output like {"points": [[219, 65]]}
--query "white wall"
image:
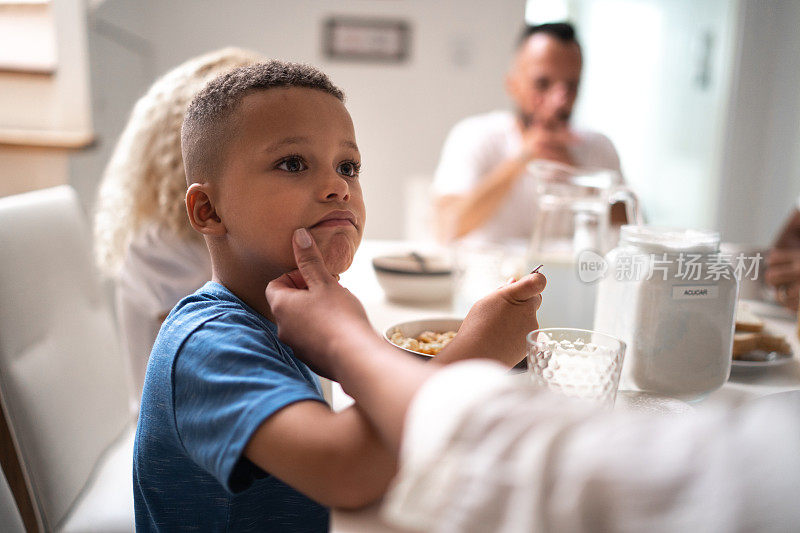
{"points": [[120, 71], [736, 147], [653, 85], [459, 54], [723, 155], [761, 158]]}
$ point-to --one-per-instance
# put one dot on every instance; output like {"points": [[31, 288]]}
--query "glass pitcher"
{"points": [[574, 208], [573, 218]]}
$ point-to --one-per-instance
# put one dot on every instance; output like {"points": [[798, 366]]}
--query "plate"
{"points": [[770, 359]]}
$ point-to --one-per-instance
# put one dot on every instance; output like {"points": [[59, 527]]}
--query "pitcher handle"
{"points": [[621, 193]]}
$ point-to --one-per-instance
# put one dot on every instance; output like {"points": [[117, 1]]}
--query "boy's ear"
{"points": [[202, 213]]}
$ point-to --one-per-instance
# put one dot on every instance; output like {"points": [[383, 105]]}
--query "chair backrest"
{"points": [[62, 380], [10, 519]]}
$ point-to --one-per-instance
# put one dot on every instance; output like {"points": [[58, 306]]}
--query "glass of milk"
{"points": [[578, 363]]}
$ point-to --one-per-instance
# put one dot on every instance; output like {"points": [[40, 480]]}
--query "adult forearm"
{"points": [[472, 210], [486, 443]]}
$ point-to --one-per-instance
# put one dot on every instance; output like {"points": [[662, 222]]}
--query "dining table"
{"points": [[746, 382]]}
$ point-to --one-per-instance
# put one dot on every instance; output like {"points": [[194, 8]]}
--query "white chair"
{"points": [[62, 381], [10, 519]]}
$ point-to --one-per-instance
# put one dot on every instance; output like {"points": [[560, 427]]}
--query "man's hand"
{"points": [[496, 326], [550, 140], [783, 273], [316, 316]]}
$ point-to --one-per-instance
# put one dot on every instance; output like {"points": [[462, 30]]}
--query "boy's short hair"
{"points": [[208, 123]]}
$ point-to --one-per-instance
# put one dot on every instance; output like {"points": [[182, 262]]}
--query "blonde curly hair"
{"points": [[144, 181]]}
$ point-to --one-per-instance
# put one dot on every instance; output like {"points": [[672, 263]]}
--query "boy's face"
{"points": [[292, 163]]}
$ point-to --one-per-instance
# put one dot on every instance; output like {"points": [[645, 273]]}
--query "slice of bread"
{"points": [[774, 343], [744, 342], [746, 320]]}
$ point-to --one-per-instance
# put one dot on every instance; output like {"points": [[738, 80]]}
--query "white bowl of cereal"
{"points": [[423, 338]]}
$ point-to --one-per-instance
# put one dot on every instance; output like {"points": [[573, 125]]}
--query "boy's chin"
{"points": [[338, 256], [337, 264]]}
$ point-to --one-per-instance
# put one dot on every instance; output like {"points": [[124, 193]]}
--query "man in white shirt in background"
{"points": [[482, 186]]}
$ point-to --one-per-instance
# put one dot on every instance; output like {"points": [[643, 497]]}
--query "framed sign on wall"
{"points": [[366, 39]]}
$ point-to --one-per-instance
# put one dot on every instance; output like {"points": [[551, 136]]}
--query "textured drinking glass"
{"points": [[576, 362]]}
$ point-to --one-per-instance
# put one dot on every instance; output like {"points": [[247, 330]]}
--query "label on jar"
{"points": [[695, 292]]}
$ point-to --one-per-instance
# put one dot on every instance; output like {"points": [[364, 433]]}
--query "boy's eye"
{"points": [[349, 169], [292, 164]]}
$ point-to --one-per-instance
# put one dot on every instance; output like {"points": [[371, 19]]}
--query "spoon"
{"points": [[423, 265]]}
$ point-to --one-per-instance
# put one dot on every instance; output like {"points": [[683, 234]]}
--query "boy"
{"points": [[233, 432]]}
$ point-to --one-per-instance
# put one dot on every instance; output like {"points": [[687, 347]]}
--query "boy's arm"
{"points": [[313, 445], [336, 459]]}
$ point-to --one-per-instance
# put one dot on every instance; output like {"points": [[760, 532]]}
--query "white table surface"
{"points": [[360, 279]]}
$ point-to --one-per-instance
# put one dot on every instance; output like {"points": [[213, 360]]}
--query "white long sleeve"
{"points": [[159, 270], [485, 452]]}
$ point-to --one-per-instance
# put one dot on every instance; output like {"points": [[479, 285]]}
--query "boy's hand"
{"points": [[316, 316], [496, 326]]}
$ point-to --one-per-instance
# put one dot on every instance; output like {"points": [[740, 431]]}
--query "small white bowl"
{"points": [[415, 327], [404, 279]]}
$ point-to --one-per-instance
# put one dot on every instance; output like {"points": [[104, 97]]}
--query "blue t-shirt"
{"points": [[217, 371]]}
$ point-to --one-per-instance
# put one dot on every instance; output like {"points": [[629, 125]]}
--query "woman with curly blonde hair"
{"points": [[143, 239]]}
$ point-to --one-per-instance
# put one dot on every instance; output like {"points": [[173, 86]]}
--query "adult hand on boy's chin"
{"points": [[315, 315], [497, 325]]}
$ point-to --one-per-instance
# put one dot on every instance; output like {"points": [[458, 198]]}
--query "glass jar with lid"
{"points": [[671, 296]]}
